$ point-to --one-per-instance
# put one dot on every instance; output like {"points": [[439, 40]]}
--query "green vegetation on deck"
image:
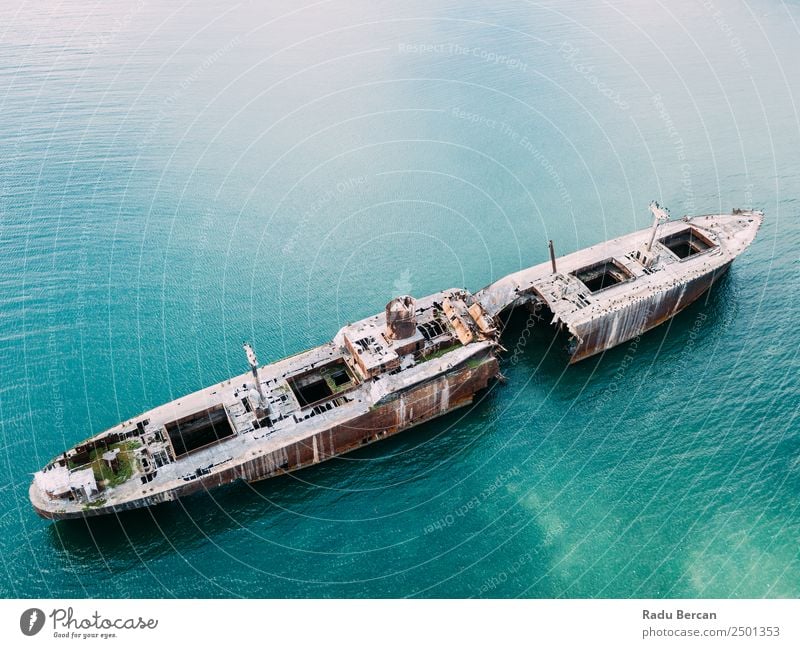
{"points": [[102, 472], [328, 373], [439, 352]]}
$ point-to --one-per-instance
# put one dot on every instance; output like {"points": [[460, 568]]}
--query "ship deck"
{"points": [[603, 294], [574, 305], [292, 421]]}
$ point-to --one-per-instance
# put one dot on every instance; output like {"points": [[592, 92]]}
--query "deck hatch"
{"points": [[686, 243], [321, 383], [198, 430], [602, 275]]}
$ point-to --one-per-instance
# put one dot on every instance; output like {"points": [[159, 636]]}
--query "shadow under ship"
{"points": [[417, 360]]}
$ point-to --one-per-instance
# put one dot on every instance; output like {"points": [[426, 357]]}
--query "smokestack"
{"points": [[552, 255]]}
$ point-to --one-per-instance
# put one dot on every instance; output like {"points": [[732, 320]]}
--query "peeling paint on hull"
{"points": [[625, 324], [376, 379], [647, 284], [423, 403]]}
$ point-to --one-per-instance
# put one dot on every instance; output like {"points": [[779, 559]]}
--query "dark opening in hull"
{"points": [[198, 430]]}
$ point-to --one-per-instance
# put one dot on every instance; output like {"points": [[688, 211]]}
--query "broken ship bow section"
{"points": [[417, 360], [607, 294]]}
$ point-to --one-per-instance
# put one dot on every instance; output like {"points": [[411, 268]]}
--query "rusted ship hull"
{"points": [[637, 318], [417, 360], [404, 410], [607, 294]]}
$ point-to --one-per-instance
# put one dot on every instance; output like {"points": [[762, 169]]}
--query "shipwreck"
{"points": [[416, 360]]}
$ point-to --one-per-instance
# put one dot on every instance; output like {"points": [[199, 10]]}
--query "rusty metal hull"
{"points": [[401, 411], [608, 331], [379, 376], [609, 293]]}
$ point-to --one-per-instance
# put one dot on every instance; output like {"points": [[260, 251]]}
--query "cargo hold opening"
{"points": [[199, 430], [321, 384], [686, 243], [602, 275]]}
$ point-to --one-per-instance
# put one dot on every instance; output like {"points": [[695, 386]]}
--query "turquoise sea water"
{"points": [[175, 179]]}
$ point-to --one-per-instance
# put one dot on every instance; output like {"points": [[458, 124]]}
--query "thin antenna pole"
{"points": [[552, 255]]}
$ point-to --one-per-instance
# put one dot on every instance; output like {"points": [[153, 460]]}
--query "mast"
{"points": [[253, 361], [660, 215]]}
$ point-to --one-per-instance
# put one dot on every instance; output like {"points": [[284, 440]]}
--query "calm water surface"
{"points": [[175, 179]]}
